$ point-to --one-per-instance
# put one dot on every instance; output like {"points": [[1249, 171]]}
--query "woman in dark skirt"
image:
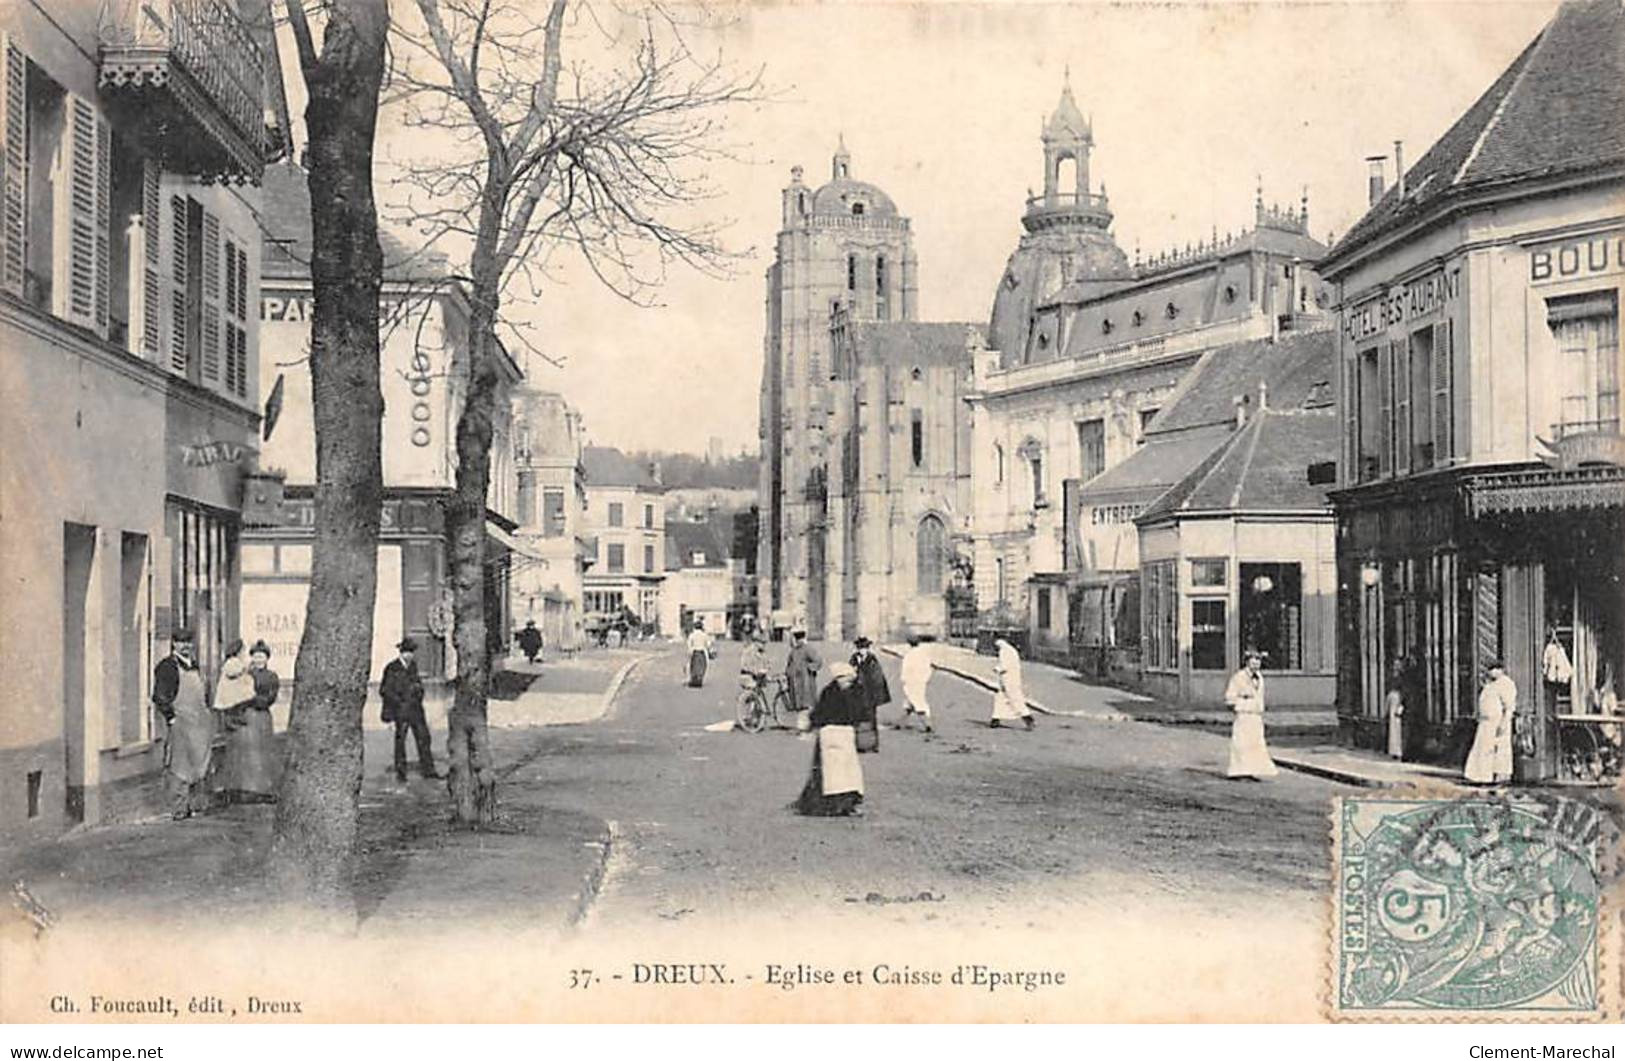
{"points": [[834, 788]]}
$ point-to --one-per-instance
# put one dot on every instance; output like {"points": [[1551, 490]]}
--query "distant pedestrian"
{"points": [[402, 692], [801, 677], [873, 692], [1490, 761], [1249, 755], [1394, 709], [834, 787], [252, 766], [1010, 701], [699, 655], [530, 641], [179, 693], [917, 667]]}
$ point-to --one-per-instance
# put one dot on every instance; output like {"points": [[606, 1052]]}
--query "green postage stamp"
{"points": [[1471, 908]]}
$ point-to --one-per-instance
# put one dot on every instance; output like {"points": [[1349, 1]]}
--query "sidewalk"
{"points": [[411, 862], [1055, 690]]}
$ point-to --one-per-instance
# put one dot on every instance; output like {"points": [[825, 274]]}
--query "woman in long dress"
{"points": [[1249, 755], [1394, 706], [251, 762], [1010, 701], [834, 787], [1490, 760]]}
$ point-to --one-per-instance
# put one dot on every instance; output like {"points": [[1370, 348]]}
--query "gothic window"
{"points": [[917, 437], [929, 546]]}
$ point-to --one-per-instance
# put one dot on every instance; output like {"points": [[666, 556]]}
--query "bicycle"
{"points": [[761, 701]]}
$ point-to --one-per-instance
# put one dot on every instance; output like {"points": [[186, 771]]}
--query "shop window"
{"points": [[1272, 613], [616, 558], [1207, 635], [552, 513], [1159, 614], [1091, 448], [1587, 331], [1208, 574], [616, 514]]}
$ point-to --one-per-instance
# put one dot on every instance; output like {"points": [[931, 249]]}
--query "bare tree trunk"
{"points": [[316, 819], [472, 778]]}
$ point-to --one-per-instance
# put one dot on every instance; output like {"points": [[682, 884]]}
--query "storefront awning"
{"points": [[1545, 490], [512, 544]]}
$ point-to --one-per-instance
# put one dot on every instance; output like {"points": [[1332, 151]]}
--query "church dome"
{"points": [[848, 197]]}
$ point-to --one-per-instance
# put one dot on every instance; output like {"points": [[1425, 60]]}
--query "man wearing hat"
{"points": [[872, 691], [402, 692], [179, 694]]}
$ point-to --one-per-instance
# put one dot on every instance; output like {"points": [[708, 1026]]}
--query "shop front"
{"points": [[1518, 563]]}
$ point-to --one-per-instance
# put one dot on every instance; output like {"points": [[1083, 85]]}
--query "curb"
{"points": [[607, 701], [593, 884], [976, 679]]}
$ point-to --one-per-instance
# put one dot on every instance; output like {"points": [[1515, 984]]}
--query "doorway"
{"points": [[78, 557]]}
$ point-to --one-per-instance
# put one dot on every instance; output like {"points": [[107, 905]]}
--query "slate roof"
{"points": [[1555, 111], [1264, 465], [1198, 421], [1291, 367], [286, 251], [684, 538], [608, 466]]}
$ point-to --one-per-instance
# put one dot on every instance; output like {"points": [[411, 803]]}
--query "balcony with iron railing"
{"points": [[188, 77], [1059, 208]]}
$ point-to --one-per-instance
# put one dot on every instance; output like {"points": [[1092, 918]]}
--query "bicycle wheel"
{"points": [[781, 707], [752, 712]]}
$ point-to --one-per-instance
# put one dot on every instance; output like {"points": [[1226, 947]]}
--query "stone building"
{"points": [[892, 503], [130, 156], [1084, 347], [1482, 500], [842, 244], [547, 579], [626, 519], [424, 349]]}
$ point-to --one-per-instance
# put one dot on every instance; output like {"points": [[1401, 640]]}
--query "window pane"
{"points": [[1207, 573], [1272, 613], [1207, 635], [615, 514], [617, 558], [295, 559]]}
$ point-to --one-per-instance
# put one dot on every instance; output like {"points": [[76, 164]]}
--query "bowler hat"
{"points": [[183, 633], [407, 644], [862, 642]]}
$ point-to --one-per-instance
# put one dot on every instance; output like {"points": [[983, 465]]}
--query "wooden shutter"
{"points": [[77, 282], [213, 267], [1402, 406], [179, 356], [13, 166], [1350, 406], [1385, 399], [1443, 401], [104, 221], [244, 301], [151, 289]]}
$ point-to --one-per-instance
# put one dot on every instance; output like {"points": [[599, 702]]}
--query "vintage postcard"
{"points": [[647, 511]]}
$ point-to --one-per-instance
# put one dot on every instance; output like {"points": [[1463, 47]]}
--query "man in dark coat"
{"points": [[402, 692], [530, 640], [872, 692]]}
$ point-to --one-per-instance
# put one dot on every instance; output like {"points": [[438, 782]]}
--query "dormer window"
{"points": [[1171, 310], [857, 209], [1229, 292], [1106, 326], [1139, 318]]}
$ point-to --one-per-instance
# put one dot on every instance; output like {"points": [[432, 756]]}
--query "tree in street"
{"points": [[314, 834], [605, 158]]}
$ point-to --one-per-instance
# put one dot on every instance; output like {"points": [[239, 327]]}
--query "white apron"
{"points": [[838, 760]]}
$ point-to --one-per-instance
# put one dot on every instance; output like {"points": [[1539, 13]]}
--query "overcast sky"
{"points": [[941, 106]]}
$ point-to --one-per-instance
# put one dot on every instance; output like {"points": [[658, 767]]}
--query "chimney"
{"points": [[1373, 181], [1399, 166]]}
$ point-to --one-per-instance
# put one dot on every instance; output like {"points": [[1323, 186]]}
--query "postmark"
{"points": [[1469, 908]]}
